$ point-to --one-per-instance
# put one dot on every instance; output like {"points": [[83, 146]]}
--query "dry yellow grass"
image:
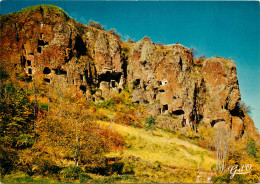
{"points": [[163, 147]]}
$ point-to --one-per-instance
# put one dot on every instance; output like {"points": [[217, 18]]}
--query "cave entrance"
{"points": [[39, 49], [136, 82], [29, 70], [83, 88], [113, 83], [112, 78], [29, 63], [178, 112], [46, 70], [42, 43], [165, 108], [47, 80]]}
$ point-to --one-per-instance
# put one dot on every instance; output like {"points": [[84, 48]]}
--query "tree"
{"points": [[222, 144], [70, 131], [16, 125]]}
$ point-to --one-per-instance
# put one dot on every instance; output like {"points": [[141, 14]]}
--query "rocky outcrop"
{"points": [[48, 45]]}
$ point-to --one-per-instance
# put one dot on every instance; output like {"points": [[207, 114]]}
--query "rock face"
{"points": [[50, 46]]}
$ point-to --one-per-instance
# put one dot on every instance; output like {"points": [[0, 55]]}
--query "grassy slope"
{"points": [[163, 147]]}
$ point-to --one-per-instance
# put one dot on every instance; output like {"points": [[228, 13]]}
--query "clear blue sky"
{"points": [[226, 29]]}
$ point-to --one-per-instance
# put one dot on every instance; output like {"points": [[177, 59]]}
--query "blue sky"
{"points": [[226, 29]]}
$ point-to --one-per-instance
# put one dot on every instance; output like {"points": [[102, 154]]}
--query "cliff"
{"points": [[50, 46]]}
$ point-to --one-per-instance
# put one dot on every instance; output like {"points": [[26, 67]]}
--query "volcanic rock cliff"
{"points": [[50, 46]]}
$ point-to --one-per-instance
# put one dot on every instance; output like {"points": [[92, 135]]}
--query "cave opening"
{"points": [[120, 90], [136, 82], [107, 77], [83, 88], [81, 77], [39, 49], [47, 80], [178, 112], [113, 83], [29, 63], [144, 63], [42, 43], [154, 96], [212, 123], [161, 90], [237, 111], [180, 63], [46, 70], [29, 70], [165, 108], [80, 47]]}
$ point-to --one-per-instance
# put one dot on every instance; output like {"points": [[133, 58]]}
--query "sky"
{"points": [[214, 28]]}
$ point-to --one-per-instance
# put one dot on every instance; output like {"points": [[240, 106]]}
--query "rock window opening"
{"points": [[212, 123], [178, 112], [39, 49], [29, 63], [120, 90], [46, 70], [47, 80], [81, 77], [154, 96], [161, 91], [83, 88], [42, 43], [30, 71], [136, 82], [80, 47], [180, 63], [108, 77], [144, 63], [165, 108], [113, 83]]}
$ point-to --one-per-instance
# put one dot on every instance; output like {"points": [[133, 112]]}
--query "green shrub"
{"points": [[150, 123], [72, 172], [46, 165], [251, 148], [84, 177]]}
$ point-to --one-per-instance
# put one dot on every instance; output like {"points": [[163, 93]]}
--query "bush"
{"points": [[83, 178], [72, 172], [150, 123], [251, 148], [46, 165], [96, 25]]}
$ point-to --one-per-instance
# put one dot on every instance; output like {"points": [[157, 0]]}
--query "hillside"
{"points": [[87, 99]]}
